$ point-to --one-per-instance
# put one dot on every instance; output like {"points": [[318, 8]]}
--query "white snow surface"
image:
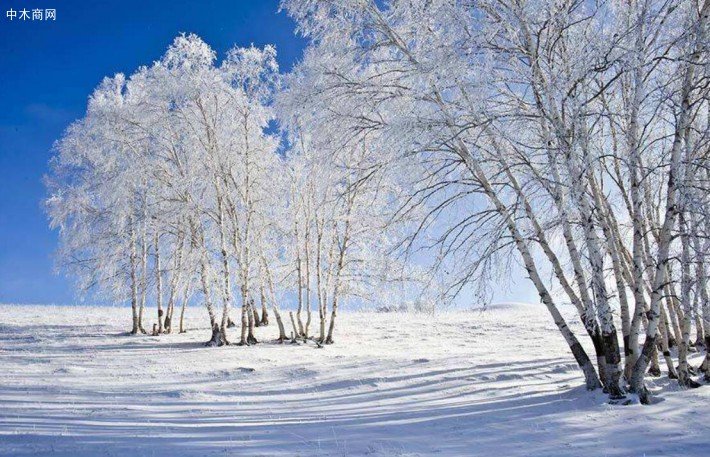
{"points": [[493, 383]]}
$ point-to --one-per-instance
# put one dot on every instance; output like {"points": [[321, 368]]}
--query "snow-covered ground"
{"points": [[474, 384]]}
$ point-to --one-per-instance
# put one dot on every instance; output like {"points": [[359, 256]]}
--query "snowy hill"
{"points": [[474, 383]]}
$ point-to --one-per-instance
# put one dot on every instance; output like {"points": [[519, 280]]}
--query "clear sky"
{"points": [[47, 71]]}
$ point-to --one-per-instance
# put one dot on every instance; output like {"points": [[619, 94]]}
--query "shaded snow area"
{"points": [[495, 383]]}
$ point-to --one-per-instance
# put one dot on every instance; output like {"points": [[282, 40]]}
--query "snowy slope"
{"points": [[474, 384]]}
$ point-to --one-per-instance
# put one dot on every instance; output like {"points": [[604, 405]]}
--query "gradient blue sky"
{"points": [[47, 70]]}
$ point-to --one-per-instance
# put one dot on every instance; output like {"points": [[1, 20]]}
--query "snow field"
{"points": [[73, 383]]}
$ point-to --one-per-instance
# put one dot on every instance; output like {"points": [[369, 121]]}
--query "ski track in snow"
{"points": [[496, 383]]}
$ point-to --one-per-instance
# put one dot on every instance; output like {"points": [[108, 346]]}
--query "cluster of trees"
{"points": [[174, 188], [571, 135], [427, 142]]}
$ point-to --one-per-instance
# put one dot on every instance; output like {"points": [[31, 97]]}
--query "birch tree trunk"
{"points": [[299, 276], [307, 253], [699, 328], [342, 251], [253, 316], [590, 374], [185, 297], [682, 123], [319, 281], [336, 289], [144, 274], [660, 277], [580, 355], [226, 285], [686, 324], [294, 334], [703, 312], [672, 374], [698, 41], [596, 260], [134, 281], [558, 192], [617, 267], [672, 306], [158, 282], [544, 103], [279, 324], [245, 314], [174, 283], [207, 294], [262, 300], [705, 305], [633, 145], [589, 320], [272, 295]]}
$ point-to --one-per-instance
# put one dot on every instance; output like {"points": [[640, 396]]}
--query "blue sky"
{"points": [[47, 70]]}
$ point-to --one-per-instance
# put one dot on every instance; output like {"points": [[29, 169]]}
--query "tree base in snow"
{"points": [[624, 401], [218, 338], [689, 383]]}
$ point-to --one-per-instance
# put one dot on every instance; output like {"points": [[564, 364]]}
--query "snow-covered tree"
{"points": [[540, 119]]}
